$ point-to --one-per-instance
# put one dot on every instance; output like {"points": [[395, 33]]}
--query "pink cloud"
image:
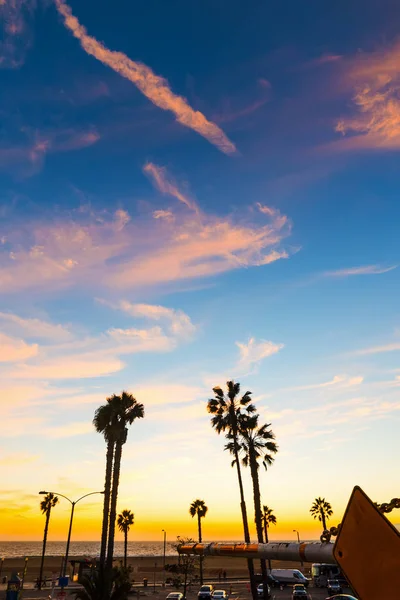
{"points": [[165, 185], [154, 87], [110, 250], [15, 350], [15, 16], [375, 123]]}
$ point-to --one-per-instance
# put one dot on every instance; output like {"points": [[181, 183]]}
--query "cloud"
{"points": [[378, 349], [255, 351], [178, 322], [68, 430], [365, 270], [376, 121], [163, 183], [80, 366], [338, 381], [15, 459], [35, 328], [16, 39], [14, 350], [155, 88], [109, 250]]}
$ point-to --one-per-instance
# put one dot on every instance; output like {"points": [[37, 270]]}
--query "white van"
{"points": [[289, 576]]}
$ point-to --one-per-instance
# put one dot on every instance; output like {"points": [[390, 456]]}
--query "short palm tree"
{"points": [[321, 510], [125, 520], [255, 444], [126, 410], [199, 508], [268, 519], [48, 502], [226, 410]]}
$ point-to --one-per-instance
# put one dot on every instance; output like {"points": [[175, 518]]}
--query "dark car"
{"points": [[205, 592], [299, 591], [260, 590], [341, 597], [334, 587]]}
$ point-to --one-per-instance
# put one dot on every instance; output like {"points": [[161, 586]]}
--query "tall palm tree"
{"points": [[321, 510], [268, 519], [255, 444], [226, 409], [199, 508], [125, 520], [104, 422], [126, 410], [48, 502]]}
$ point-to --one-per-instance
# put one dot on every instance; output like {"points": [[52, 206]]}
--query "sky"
{"points": [[192, 193]]}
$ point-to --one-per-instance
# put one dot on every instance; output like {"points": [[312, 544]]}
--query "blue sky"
{"points": [[192, 193]]}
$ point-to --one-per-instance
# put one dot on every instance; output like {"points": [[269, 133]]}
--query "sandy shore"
{"points": [[144, 567]]}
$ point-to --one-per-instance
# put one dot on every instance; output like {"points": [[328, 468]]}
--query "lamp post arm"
{"points": [[86, 495]]}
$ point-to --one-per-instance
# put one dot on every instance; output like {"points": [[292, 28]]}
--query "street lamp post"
{"points": [[165, 547], [73, 502], [298, 540]]}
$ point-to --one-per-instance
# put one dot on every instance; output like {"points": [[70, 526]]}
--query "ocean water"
{"points": [[90, 549]]}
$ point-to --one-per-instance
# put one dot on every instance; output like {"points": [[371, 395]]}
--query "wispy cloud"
{"points": [[338, 381], [178, 322], [14, 350], [166, 185], [376, 121], [154, 87], [254, 351], [15, 16], [111, 250], [364, 270], [393, 347], [34, 328]]}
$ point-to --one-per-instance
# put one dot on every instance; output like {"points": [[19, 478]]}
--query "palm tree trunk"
{"points": [[258, 517], [106, 506], [266, 540], [114, 496], [46, 529], [125, 546], [200, 540], [323, 519], [250, 564]]}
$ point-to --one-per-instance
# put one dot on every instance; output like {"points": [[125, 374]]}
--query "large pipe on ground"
{"points": [[314, 552]]}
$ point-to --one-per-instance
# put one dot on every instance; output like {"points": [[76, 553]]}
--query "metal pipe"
{"points": [[316, 552]]}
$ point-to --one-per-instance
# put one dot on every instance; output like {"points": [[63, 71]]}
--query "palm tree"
{"points": [[268, 519], [104, 422], [199, 508], [226, 410], [48, 502], [124, 522], [126, 409], [255, 444], [321, 510]]}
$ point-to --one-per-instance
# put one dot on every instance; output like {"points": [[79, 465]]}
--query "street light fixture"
{"points": [[165, 547], [73, 502], [298, 540]]}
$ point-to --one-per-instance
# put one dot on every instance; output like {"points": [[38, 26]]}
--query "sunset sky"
{"points": [[193, 192]]}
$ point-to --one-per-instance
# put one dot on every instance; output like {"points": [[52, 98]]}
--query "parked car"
{"points": [[205, 592], [299, 591], [219, 595], [260, 590], [175, 596], [334, 587]]}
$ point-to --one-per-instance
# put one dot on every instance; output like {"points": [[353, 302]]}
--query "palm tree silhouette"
{"points": [[226, 410], [104, 422], [199, 508], [255, 444], [268, 519], [48, 502], [126, 410], [321, 510], [125, 520]]}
